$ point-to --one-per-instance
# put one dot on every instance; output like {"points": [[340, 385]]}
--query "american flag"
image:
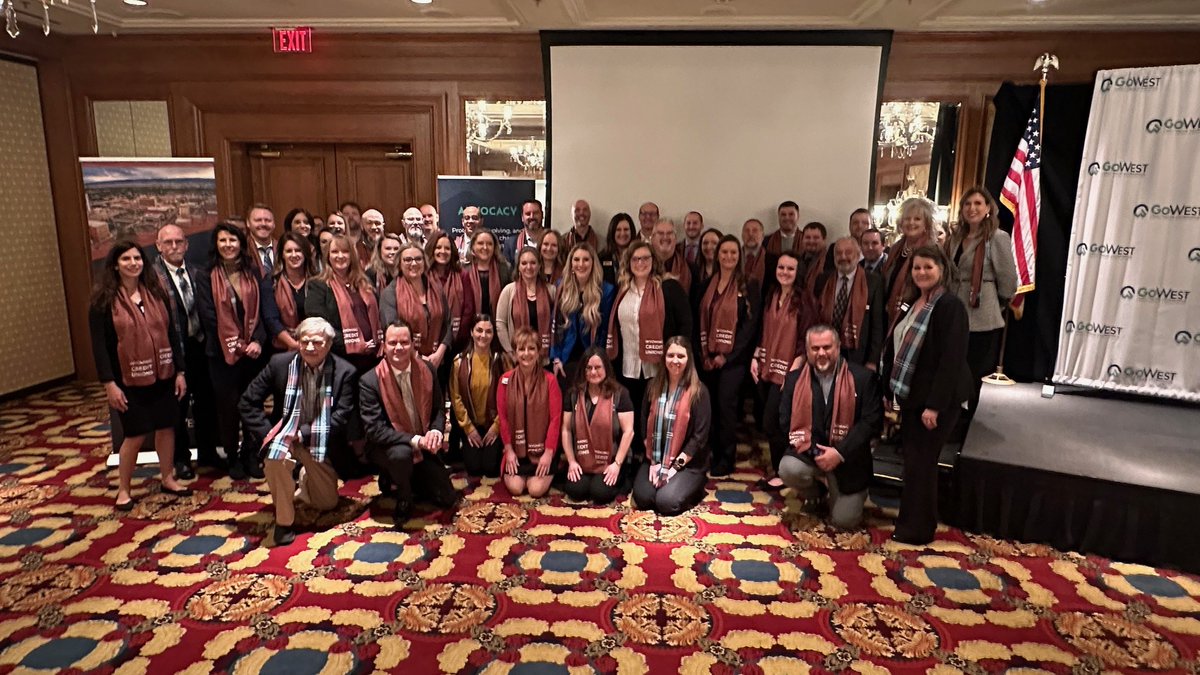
{"points": [[1022, 194]]}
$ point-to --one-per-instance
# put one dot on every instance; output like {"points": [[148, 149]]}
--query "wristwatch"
{"points": [[679, 462]]}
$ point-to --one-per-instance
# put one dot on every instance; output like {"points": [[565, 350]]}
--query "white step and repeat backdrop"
{"points": [[1131, 319]]}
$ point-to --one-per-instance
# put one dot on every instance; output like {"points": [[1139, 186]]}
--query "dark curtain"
{"points": [[1033, 340], [941, 163]]}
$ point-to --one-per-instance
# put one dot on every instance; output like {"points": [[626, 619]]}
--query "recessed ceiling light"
{"points": [[422, 2], [136, 3]]}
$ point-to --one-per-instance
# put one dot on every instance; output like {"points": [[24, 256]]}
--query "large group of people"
{"points": [[603, 363]]}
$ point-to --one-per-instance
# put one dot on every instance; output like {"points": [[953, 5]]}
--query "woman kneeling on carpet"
{"points": [[138, 358], [529, 403], [678, 415], [597, 418], [474, 382]]}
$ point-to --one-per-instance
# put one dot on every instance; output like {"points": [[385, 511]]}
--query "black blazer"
{"points": [[749, 323], [854, 473], [377, 424], [942, 379], [696, 445], [321, 302], [207, 308], [272, 381], [178, 311], [677, 317], [870, 342]]}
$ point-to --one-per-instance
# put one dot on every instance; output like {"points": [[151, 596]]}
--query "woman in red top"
{"points": [[529, 404]]}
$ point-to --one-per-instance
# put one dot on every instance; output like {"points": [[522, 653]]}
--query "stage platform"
{"points": [[1088, 471]]}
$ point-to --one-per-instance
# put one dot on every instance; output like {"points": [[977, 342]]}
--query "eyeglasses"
{"points": [[411, 261], [640, 259], [172, 242], [314, 341]]}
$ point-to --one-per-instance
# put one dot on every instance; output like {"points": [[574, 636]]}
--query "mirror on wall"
{"points": [[506, 138], [132, 128], [916, 146]]}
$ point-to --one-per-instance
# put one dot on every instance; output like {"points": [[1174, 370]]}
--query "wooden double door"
{"points": [[319, 177]]}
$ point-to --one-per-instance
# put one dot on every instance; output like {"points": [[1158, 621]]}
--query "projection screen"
{"points": [[728, 124]]}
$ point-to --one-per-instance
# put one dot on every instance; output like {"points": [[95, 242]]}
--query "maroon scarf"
{"points": [[452, 287], [718, 318], [393, 402], [782, 338], [495, 284], [426, 319], [463, 373], [593, 438], [520, 311], [234, 335], [800, 434], [650, 324], [143, 342], [856, 310], [528, 408], [355, 336]]}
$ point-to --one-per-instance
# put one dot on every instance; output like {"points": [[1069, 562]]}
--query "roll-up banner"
{"points": [[1131, 316], [499, 201]]}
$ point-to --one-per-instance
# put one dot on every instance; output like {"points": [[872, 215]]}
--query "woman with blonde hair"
{"points": [[981, 253], [343, 295], [420, 302], [529, 405], [385, 260], [584, 303], [527, 302], [917, 226], [678, 415], [486, 273]]}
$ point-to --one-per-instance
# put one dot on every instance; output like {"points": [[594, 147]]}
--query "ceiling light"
{"points": [[422, 2], [136, 3]]}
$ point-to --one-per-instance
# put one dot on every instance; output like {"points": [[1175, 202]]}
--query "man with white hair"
{"points": [[471, 219], [317, 391], [414, 225], [373, 226]]}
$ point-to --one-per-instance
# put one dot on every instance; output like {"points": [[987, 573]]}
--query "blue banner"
{"points": [[499, 201]]}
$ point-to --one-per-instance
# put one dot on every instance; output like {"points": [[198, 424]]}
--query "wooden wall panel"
{"points": [[208, 80]]}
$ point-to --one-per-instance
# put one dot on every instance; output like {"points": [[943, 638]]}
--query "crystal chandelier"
{"points": [[9, 8], [530, 157], [904, 125], [483, 128]]}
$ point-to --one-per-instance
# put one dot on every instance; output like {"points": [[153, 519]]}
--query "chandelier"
{"points": [[9, 8], [530, 157], [904, 125], [483, 127]]}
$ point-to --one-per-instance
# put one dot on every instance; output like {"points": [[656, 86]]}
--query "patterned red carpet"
{"points": [[740, 585]]}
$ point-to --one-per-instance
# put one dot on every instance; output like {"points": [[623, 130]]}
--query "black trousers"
{"points": [[428, 479], [203, 406], [771, 393], [983, 350], [637, 394], [228, 383], [724, 385], [591, 488], [682, 492], [482, 461], [921, 447]]}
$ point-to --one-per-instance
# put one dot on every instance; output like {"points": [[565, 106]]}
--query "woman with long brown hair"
{"points": [[584, 305], [474, 378], [421, 303], [384, 267], [728, 310], [446, 272], [678, 416], [294, 266], [987, 279], [619, 237], [139, 360], [487, 273], [527, 302], [529, 405], [706, 261], [229, 298], [788, 313], [926, 380], [550, 246], [917, 226], [342, 295], [597, 430]]}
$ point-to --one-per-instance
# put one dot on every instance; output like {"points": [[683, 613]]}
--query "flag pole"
{"points": [[1044, 63]]}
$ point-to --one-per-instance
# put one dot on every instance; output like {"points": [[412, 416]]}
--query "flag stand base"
{"points": [[999, 378]]}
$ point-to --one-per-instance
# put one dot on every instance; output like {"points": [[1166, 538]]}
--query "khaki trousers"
{"points": [[318, 484]]}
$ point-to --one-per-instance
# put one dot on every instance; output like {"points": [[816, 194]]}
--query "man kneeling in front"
{"points": [[403, 416], [317, 391], [832, 409]]}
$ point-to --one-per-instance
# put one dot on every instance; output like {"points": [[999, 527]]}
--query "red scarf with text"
{"points": [[782, 339], [143, 341], [451, 284], [495, 284], [234, 335], [520, 311], [355, 336], [677, 267], [650, 324], [593, 438], [393, 401], [718, 318], [528, 411], [800, 435], [856, 309], [426, 319]]}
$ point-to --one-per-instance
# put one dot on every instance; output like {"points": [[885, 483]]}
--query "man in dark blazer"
{"points": [[311, 430], [861, 328], [399, 436], [839, 452], [179, 278], [527, 237]]}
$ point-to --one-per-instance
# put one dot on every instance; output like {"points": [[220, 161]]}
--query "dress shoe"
{"points": [[720, 469], [181, 492], [401, 514], [236, 470], [385, 484], [125, 507], [254, 469], [905, 538], [284, 535], [209, 460], [184, 471]]}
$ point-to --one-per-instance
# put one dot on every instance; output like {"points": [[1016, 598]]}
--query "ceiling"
{"points": [[517, 16]]}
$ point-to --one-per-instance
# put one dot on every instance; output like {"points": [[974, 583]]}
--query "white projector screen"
{"points": [[727, 130]]}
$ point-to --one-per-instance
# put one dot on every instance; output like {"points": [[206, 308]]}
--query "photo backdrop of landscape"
{"points": [[133, 198]]}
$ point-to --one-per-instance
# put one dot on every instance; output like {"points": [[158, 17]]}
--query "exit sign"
{"points": [[292, 40]]}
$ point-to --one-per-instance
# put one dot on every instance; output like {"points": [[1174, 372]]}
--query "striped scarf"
{"points": [[910, 348], [288, 426], [664, 431]]}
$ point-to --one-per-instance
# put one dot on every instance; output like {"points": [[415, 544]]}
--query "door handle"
{"points": [[398, 154], [266, 154]]}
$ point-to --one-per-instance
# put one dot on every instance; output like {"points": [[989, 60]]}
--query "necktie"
{"points": [[839, 305], [268, 263], [691, 253], [189, 301]]}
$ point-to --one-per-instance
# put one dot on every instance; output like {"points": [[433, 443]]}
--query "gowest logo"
{"points": [[1166, 211], [1121, 168], [1187, 337], [1183, 124], [1105, 250], [1139, 374], [1158, 294], [1089, 328], [1128, 82]]}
